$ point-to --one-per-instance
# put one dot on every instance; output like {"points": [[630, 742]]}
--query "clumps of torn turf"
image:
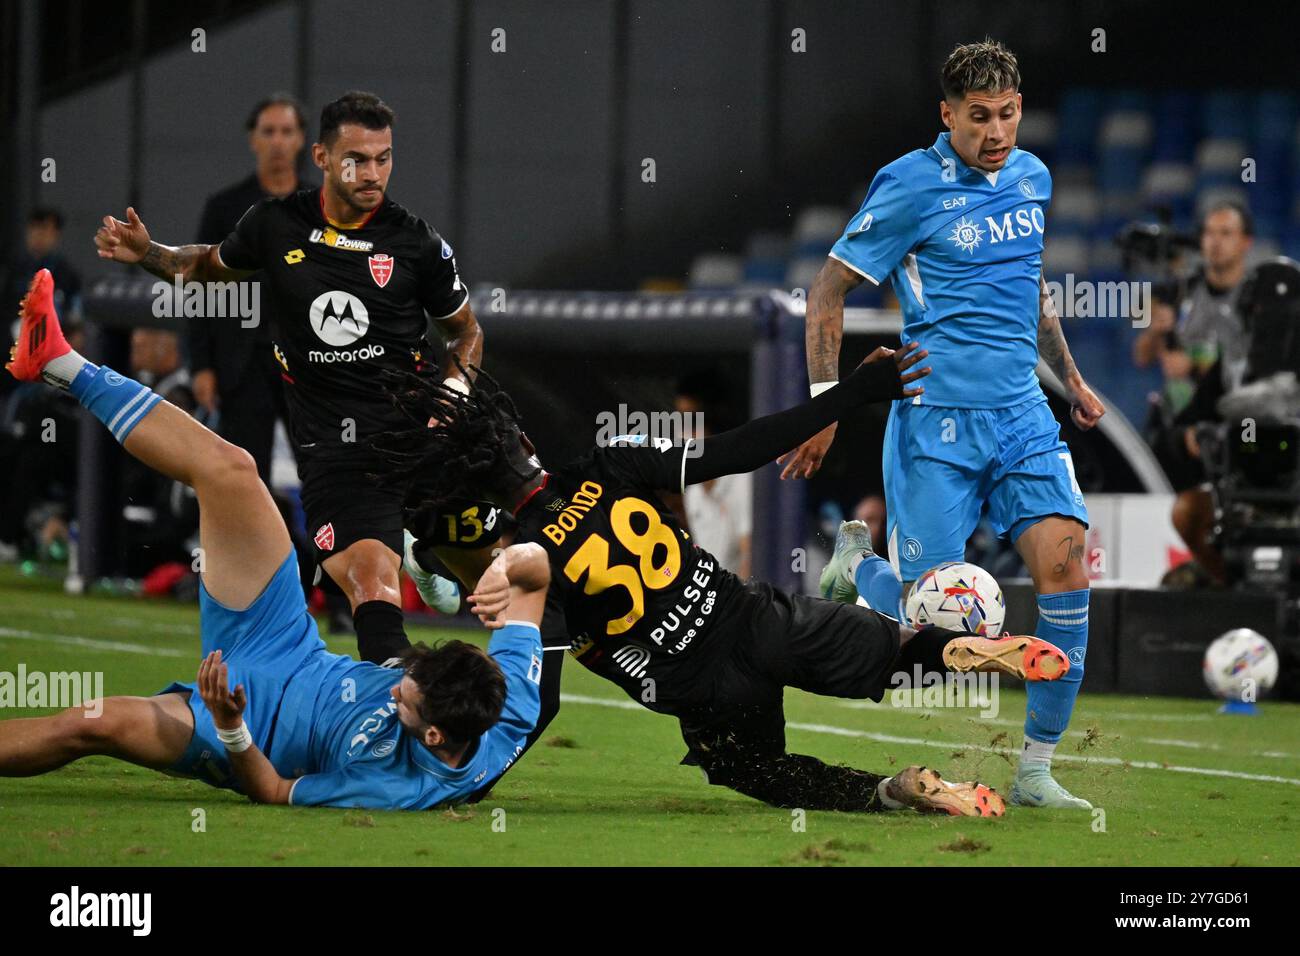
{"points": [[355, 819], [1092, 737], [964, 844], [568, 743], [1216, 795], [827, 852], [451, 813]]}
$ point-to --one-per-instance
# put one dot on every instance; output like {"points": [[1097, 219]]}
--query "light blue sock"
{"points": [[878, 585], [1063, 620], [119, 402]]}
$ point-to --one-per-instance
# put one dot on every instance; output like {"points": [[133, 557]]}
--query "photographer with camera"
{"points": [[1196, 333]]}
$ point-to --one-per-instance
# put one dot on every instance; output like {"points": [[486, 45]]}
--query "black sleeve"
{"points": [[242, 249], [756, 443], [442, 292], [201, 333]]}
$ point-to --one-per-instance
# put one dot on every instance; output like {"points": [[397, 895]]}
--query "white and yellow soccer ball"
{"points": [[959, 597], [1240, 664]]}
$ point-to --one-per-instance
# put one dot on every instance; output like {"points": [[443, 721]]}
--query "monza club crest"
{"points": [[325, 537], [381, 268]]}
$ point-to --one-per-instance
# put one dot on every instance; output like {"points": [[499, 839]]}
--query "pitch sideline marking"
{"points": [[949, 745], [93, 643]]}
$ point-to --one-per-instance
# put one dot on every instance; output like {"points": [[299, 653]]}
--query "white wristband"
{"points": [[456, 384], [818, 387], [237, 740]]}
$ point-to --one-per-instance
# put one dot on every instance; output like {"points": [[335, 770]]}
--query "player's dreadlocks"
{"points": [[475, 448]]}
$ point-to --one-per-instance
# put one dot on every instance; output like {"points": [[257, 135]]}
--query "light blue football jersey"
{"points": [[963, 251], [338, 721]]}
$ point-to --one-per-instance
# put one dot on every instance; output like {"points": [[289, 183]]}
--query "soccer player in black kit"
{"points": [[654, 613], [351, 276]]}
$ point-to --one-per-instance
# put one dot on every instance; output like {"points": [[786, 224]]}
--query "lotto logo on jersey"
{"points": [[325, 537], [381, 268]]}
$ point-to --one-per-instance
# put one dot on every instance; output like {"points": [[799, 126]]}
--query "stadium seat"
{"points": [[1227, 115], [802, 271], [1066, 254], [1037, 134], [715, 270], [817, 228], [1175, 131], [1218, 162], [1171, 185]]}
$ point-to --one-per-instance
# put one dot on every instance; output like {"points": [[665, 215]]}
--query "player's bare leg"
{"points": [[1053, 549], [368, 571], [150, 731], [241, 534]]}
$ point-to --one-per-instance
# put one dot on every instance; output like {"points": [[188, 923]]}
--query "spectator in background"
{"points": [[159, 516], [235, 374], [1195, 322], [871, 511], [720, 512], [40, 251]]}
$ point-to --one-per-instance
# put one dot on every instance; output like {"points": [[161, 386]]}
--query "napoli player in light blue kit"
{"points": [[301, 726], [957, 229]]}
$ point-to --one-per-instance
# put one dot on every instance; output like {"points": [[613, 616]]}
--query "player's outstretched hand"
{"points": [[906, 358], [1085, 407], [227, 708], [804, 461], [122, 241], [491, 597]]}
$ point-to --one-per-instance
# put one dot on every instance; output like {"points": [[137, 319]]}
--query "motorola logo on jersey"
{"points": [[339, 318]]}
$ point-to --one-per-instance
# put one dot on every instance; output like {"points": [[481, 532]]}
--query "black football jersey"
{"points": [[639, 595], [348, 301]]}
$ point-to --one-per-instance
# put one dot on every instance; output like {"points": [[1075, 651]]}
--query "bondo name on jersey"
{"points": [[583, 500]]}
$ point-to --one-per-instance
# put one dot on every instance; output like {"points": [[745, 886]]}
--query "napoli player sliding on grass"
{"points": [[346, 733], [958, 229], [655, 613]]}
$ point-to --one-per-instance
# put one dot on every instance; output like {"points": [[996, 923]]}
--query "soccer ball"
{"points": [[958, 597], [1239, 661]]}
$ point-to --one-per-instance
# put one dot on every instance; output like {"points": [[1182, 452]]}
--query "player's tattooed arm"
{"points": [[128, 241], [1086, 407], [824, 324], [1051, 338], [197, 263], [464, 338]]}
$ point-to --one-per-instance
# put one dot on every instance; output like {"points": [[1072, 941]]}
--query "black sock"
{"points": [[926, 649], [380, 635]]}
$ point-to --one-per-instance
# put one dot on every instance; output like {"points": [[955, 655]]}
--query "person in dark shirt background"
{"points": [[233, 368], [40, 251]]}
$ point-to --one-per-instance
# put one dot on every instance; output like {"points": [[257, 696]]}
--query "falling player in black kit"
{"points": [[351, 276], [655, 614]]}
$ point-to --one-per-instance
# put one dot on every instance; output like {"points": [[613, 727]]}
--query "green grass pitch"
{"points": [[1174, 783]]}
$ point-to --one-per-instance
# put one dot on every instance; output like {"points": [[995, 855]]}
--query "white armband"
{"points": [[456, 384], [818, 387]]}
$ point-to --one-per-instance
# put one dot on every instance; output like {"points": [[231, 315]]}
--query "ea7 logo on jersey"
{"points": [[381, 268], [339, 318], [954, 202]]}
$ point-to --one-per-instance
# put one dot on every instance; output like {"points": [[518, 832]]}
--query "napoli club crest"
{"points": [[325, 537], [381, 268]]}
